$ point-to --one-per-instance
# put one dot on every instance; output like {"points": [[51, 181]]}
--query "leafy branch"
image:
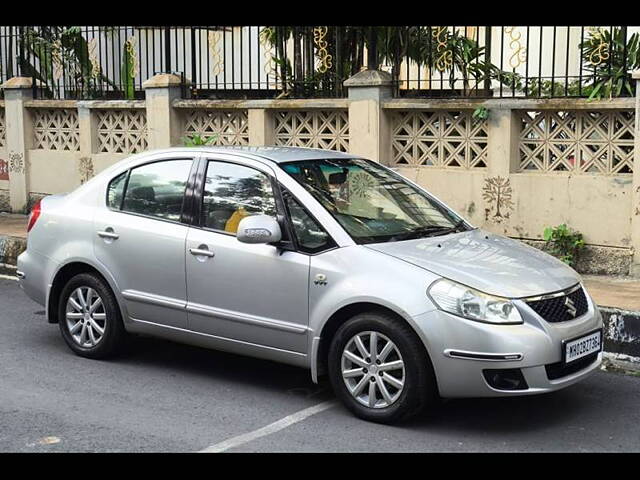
{"points": [[196, 140]]}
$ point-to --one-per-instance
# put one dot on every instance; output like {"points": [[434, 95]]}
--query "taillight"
{"points": [[33, 216]]}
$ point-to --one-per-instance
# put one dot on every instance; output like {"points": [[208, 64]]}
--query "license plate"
{"points": [[583, 346]]}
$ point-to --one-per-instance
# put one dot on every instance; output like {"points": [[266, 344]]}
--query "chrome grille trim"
{"points": [[565, 306], [547, 296]]}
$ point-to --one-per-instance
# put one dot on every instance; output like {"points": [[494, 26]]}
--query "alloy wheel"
{"points": [[86, 317], [372, 369]]}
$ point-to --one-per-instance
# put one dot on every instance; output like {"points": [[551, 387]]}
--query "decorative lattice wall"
{"points": [[438, 138], [328, 129], [3, 129], [577, 141], [227, 127], [56, 129], [122, 131]]}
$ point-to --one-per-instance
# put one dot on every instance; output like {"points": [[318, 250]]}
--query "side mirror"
{"points": [[258, 229]]}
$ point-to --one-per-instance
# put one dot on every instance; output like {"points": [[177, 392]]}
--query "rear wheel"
{"points": [[89, 317], [379, 368]]}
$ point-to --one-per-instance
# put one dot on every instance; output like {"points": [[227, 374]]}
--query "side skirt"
{"points": [[190, 337]]}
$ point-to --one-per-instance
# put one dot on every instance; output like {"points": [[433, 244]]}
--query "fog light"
{"points": [[505, 379]]}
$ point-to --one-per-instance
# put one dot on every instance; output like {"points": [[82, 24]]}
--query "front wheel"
{"points": [[89, 317], [379, 368]]}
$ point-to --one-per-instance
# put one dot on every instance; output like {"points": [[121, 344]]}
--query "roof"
{"points": [[278, 154]]}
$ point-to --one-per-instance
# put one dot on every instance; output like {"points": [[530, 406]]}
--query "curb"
{"points": [[617, 362], [10, 248], [9, 270], [621, 331]]}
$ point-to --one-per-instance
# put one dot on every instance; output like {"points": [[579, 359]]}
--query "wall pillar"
{"points": [[88, 126], [635, 195], [19, 135], [503, 136], [163, 121], [369, 128], [261, 127]]}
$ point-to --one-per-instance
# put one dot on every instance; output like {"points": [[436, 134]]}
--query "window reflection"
{"points": [[115, 191], [370, 202], [233, 192], [310, 235], [157, 189]]}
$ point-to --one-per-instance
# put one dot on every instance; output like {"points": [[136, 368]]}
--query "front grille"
{"points": [[559, 370], [555, 309]]}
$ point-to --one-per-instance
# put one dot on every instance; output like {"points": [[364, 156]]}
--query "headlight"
{"points": [[472, 304]]}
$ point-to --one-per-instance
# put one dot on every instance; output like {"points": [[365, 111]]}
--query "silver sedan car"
{"points": [[314, 258]]}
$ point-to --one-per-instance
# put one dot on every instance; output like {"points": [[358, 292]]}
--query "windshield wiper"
{"points": [[445, 230], [429, 231]]}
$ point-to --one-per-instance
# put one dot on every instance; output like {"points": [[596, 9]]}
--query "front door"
{"points": [[140, 240], [251, 293]]}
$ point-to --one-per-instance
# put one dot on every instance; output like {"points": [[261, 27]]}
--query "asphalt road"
{"points": [[168, 397]]}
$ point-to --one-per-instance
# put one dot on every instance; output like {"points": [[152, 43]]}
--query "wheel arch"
{"points": [[63, 275], [320, 351]]}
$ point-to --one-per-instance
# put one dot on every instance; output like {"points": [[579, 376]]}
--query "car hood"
{"points": [[487, 262]]}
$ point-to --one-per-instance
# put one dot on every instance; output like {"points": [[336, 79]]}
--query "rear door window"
{"points": [[157, 189]]}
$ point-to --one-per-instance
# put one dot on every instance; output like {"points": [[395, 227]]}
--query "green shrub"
{"points": [[480, 113], [564, 243]]}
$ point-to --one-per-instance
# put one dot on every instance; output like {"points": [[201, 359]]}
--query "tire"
{"points": [[419, 388], [106, 315]]}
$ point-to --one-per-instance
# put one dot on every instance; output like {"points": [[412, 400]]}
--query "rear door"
{"points": [[140, 238]]}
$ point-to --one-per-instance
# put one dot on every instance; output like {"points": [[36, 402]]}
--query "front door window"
{"points": [[232, 192]]}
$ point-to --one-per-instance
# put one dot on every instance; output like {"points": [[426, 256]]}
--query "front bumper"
{"points": [[529, 347]]}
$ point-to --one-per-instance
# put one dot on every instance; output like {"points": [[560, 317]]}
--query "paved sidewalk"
{"points": [[616, 292], [13, 225]]}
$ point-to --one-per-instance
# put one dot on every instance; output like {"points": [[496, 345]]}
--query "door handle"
{"points": [[201, 251], [108, 234]]}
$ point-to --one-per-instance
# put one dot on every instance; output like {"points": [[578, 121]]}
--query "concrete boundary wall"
{"points": [[530, 164]]}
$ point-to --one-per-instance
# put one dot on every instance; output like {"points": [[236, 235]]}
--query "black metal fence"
{"points": [[304, 61], [529, 61]]}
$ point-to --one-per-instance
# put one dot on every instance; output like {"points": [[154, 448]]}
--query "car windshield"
{"points": [[373, 203]]}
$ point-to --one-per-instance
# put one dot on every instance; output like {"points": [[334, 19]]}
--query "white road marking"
{"points": [[269, 429], [9, 277]]}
